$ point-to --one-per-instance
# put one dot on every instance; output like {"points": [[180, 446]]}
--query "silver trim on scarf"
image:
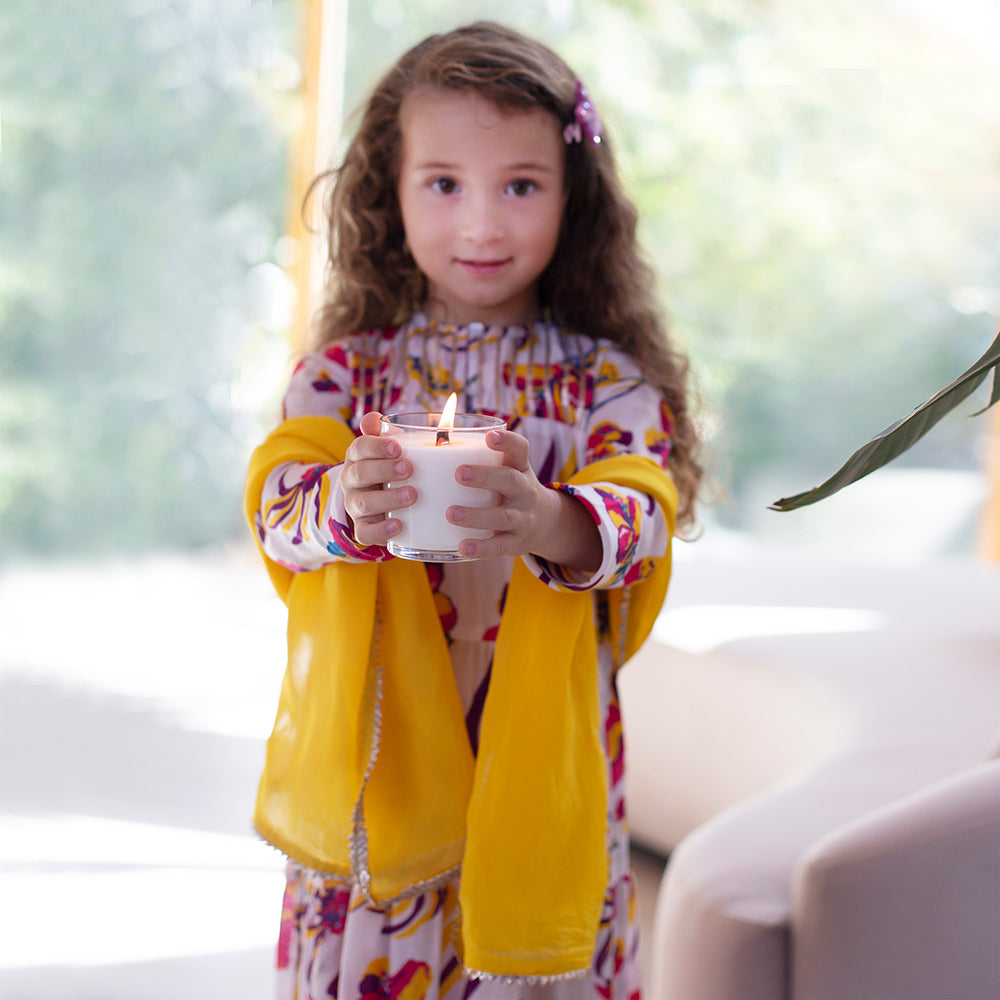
{"points": [[358, 848], [560, 977]]}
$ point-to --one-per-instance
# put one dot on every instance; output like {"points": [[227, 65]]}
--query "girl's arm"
{"points": [[307, 513], [633, 530], [627, 416], [302, 523]]}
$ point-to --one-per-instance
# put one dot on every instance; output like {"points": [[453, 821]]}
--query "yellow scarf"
{"points": [[369, 774]]}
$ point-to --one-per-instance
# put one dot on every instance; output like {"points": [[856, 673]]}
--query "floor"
{"points": [[135, 698]]}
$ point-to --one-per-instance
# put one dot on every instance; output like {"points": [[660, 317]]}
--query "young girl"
{"points": [[446, 772]]}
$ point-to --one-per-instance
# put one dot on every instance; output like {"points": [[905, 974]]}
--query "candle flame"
{"points": [[447, 421]]}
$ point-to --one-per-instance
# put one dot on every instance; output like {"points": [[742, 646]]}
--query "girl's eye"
{"points": [[521, 187], [443, 185]]}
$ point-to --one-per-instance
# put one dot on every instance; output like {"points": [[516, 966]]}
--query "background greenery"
{"points": [[142, 182], [818, 183]]}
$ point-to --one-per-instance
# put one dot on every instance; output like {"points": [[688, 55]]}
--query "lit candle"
{"points": [[436, 445]]}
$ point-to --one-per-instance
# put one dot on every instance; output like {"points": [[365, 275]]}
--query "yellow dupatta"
{"points": [[369, 774]]}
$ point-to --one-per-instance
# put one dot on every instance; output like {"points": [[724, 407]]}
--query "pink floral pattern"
{"points": [[298, 496], [333, 944], [576, 400]]}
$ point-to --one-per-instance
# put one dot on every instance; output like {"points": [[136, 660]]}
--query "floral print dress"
{"points": [[576, 400]]}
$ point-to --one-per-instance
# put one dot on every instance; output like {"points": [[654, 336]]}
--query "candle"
{"points": [[436, 445]]}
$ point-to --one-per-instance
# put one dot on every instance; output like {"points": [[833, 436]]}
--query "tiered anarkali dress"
{"points": [[576, 400]]}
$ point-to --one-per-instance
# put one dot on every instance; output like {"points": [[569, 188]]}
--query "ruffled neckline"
{"points": [[419, 321]]}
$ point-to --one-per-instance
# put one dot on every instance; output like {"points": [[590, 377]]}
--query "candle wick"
{"points": [[442, 438]]}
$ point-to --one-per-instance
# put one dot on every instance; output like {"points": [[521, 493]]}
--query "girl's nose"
{"points": [[481, 222]]}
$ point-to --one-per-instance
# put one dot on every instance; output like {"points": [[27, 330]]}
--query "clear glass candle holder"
{"points": [[435, 454]]}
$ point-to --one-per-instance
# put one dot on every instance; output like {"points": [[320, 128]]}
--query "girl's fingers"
{"points": [[374, 473], [372, 505], [526, 512], [371, 424], [368, 510], [493, 519], [503, 479], [514, 446], [370, 446], [377, 532], [476, 548], [373, 461]]}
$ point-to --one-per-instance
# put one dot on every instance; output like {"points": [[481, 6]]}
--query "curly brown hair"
{"points": [[598, 281]]}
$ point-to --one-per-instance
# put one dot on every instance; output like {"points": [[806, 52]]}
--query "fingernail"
{"points": [[392, 528], [399, 468], [464, 473], [456, 513], [494, 437], [392, 449]]}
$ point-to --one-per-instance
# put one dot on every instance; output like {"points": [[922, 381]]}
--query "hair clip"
{"points": [[586, 120]]}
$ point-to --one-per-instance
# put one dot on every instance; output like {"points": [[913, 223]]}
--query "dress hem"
{"points": [[559, 977], [353, 882]]}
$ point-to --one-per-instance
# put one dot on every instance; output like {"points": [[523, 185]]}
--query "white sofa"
{"points": [[813, 744]]}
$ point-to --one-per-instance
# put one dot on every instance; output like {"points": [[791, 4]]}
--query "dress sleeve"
{"points": [[627, 417], [301, 521]]}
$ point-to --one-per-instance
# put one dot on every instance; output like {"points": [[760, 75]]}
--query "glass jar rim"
{"points": [[424, 421]]}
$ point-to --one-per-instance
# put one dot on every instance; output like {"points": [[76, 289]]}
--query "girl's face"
{"points": [[481, 195]]}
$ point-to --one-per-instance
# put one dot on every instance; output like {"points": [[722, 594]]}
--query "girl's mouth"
{"points": [[484, 267]]}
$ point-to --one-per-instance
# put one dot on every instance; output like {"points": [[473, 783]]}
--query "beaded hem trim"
{"points": [[352, 882], [358, 849], [562, 977]]}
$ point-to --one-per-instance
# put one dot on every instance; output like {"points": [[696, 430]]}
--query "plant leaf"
{"points": [[895, 439], [994, 393]]}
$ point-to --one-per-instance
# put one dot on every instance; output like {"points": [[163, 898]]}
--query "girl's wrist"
{"points": [[570, 538]]}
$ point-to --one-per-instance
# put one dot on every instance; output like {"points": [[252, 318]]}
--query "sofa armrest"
{"points": [[904, 904]]}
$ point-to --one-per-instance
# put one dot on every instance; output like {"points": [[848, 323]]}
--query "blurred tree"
{"points": [[818, 186], [820, 191], [141, 187]]}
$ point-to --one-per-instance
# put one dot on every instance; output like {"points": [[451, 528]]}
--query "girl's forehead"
{"points": [[425, 101], [438, 116]]}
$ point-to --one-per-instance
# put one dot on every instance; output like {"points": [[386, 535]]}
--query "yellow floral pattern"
{"points": [[575, 400]]}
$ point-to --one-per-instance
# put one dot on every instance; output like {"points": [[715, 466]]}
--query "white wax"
{"points": [[424, 523]]}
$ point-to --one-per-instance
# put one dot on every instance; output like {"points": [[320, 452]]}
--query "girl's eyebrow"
{"points": [[525, 165], [544, 168]]}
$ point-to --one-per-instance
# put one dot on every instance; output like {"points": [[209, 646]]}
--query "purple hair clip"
{"points": [[586, 120]]}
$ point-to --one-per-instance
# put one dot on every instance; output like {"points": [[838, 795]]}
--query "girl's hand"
{"points": [[371, 462], [531, 518]]}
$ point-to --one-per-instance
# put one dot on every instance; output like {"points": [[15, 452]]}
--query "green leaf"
{"points": [[895, 439], [994, 392]]}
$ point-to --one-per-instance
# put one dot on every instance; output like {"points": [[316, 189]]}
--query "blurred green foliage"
{"points": [[142, 182], [819, 188], [818, 185]]}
